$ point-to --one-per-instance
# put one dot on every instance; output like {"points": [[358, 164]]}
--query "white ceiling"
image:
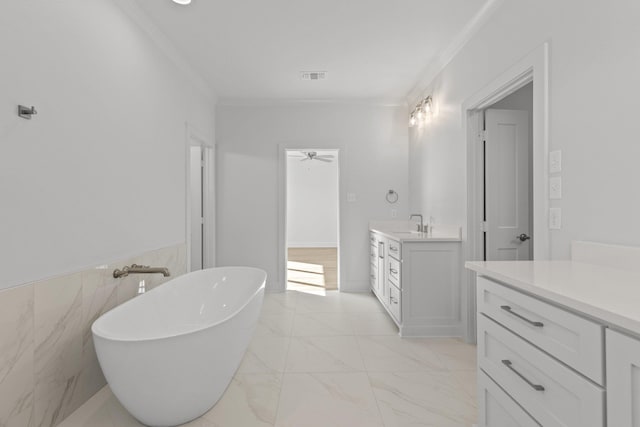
{"points": [[255, 49]]}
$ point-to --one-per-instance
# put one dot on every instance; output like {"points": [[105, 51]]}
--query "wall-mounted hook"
{"points": [[26, 112]]}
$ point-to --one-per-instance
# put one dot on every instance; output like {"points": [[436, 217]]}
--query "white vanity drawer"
{"points": [[497, 409], [394, 271], [552, 393], [574, 340], [374, 254], [394, 249], [395, 302]]}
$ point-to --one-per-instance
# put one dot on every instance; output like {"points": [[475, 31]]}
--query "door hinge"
{"points": [[484, 226], [483, 135]]}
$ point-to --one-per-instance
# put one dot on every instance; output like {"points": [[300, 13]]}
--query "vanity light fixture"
{"points": [[182, 2], [420, 112]]}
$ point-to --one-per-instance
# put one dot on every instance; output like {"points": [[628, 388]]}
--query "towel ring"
{"points": [[392, 196]]}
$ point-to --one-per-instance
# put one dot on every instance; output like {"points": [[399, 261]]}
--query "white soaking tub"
{"points": [[169, 354]]}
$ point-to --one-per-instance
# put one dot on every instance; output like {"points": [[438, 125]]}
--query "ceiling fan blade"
{"points": [[322, 159], [325, 156], [304, 159]]}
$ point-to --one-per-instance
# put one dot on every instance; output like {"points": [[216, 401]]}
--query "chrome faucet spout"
{"points": [[140, 269], [421, 225]]}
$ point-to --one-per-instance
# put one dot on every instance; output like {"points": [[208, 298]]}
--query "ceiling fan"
{"points": [[313, 155]]}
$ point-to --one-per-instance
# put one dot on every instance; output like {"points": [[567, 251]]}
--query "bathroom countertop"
{"points": [[406, 236], [609, 295]]}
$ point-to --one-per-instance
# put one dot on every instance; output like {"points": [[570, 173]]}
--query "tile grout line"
{"points": [[286, 358]]}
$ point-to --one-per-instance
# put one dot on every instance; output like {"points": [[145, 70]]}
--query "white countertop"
{"points": [[609, 295], [414, 236]]}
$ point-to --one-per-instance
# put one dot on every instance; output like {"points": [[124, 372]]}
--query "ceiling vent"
{"points": [[313, 75]]}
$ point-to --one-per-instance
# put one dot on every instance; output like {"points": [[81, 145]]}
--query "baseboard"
{"points": [[313, 245]]}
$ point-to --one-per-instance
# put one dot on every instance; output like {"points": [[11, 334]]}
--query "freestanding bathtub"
{"points": [[169, 354]]}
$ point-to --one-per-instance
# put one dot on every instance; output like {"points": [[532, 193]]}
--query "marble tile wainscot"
{"points": [[48, 365]]}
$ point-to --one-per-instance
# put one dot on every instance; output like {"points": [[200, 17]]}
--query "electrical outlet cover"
{"points": [[555, 161], [555, 187], [555, 218]]}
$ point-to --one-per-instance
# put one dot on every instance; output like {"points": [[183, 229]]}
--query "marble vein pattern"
{"points": [[327, 399], [58, 352], [16, 356], [422, 399], [330, 360], [48, 364]]}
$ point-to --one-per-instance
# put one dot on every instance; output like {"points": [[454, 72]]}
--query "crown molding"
{"points": [[275, 102], [445, 56], [144, 22]]}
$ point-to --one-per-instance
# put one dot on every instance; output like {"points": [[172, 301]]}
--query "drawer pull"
{"points": [[393, 271], [393, 300], [519, 316], [393, 248], [509, 365]]}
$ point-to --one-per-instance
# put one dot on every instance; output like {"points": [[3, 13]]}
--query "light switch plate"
{"points": [[555, 187], [351, 197], [555, 218], [555, 161]]}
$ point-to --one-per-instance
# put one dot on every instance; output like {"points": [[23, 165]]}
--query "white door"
{"points": [[508, 230]]}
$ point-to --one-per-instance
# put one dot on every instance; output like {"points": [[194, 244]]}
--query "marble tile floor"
{"points": [[330, 360]]}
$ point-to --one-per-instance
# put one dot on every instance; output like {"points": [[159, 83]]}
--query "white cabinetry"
{"points": [[559, 341], [419, 284], [623, 380], [544, 358]]}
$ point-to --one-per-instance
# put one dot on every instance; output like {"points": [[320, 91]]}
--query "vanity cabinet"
{"points": [[418, 283], [375, 249], [560, 339], [623, 380], [544, 358]]}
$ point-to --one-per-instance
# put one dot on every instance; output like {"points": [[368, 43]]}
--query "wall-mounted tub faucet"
{"points": [[144, 269], [421, 226]]}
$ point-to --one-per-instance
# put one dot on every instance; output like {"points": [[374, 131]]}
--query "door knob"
{"points": [[523, 237]]}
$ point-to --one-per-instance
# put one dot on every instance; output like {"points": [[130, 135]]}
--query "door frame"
{"points": [[195, 138], [282, 207], [532, 68]]}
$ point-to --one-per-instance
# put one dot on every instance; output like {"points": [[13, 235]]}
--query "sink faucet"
{"points": [[421, 226]]}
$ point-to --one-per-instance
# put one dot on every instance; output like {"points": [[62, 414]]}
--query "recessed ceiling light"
{"points": [[183, 2]]}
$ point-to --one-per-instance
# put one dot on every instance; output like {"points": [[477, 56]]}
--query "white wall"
{"points": [[312, 201], [99, 173], [373, 159], [594, 69]]}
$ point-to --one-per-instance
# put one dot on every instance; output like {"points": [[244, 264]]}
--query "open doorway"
{"points": [[200, 215], [532, 69], [312, 220]]}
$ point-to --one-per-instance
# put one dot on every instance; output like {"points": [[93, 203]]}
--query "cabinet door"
{"points": [[623, 380]]}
